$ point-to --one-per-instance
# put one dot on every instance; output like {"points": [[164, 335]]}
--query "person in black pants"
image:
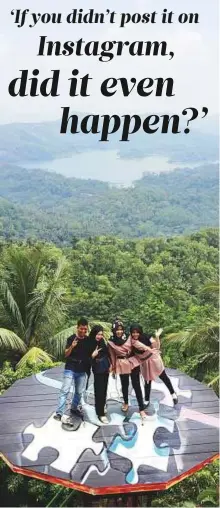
{"points": [[152, 365], [100, 367], [166, 380], [125, 365], [135, 380]]}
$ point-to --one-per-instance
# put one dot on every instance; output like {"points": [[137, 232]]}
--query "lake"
{"points": [[107, 166]]}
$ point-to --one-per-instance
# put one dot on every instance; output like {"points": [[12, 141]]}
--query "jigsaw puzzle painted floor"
{"points": [[122, 456]]}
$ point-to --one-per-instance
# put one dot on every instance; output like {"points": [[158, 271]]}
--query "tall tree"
{"points": [[33, 300]]}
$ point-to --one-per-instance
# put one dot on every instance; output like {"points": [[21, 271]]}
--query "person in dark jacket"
{"points": [[77, 354], [100, 367]]}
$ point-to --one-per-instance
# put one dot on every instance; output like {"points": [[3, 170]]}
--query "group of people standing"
{"points": [[128, 356]]}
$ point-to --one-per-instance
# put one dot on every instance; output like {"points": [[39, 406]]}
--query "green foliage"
{"points": [[8, 375], [201, 337], [48, 206], [18, 490], [34, 356], [201, 488], [9, 340], [34, 297], [209, 497], [158, 282]]}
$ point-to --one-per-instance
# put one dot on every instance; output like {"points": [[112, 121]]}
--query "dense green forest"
{"points": [[170, 283], [37, 204]]}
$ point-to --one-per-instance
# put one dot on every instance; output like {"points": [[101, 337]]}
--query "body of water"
{"points": [[106, 166]]}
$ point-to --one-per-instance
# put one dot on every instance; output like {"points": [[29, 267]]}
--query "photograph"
{"points": [[109, 253]]}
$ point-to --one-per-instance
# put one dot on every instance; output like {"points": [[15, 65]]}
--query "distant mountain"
{"points": [[39, 204], [20, 142]]}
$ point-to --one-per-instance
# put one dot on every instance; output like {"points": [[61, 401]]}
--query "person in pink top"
{"points": [[147, 350], [126, 365]]}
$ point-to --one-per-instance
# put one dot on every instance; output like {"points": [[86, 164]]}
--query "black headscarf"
{"points": [[137, 327], [144, 337], [94, 331]]}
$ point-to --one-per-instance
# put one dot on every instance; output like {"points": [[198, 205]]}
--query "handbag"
{"points": [[101, 365]]}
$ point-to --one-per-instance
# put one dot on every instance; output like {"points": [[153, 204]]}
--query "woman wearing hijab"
{"points": [[100, 367], [125, 364], [147, 350]]}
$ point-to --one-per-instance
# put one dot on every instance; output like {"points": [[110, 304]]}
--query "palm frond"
{"points": [[208, 497], [13, 306], [48, 294], [214, 383], [36, 268], [209, 359], [211, 287], [182, 337], [20, 274], [34, 356], [57, 343], [204, 337], [10, 341]]}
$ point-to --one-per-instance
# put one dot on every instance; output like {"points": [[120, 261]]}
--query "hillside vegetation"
{"points": [[42, 205]]}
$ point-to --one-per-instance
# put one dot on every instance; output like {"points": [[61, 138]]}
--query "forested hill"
{"points": [[39, 204], [42, 141]]}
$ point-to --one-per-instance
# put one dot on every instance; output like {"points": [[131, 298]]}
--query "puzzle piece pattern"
{"points": [[69, 444], [141, 450], [97, 450], [167, 399]]}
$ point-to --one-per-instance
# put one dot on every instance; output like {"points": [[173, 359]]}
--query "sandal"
{"points": [[143, 416]]}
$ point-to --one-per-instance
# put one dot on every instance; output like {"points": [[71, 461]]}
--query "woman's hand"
{"points": [[158, 333], [96, 352]]}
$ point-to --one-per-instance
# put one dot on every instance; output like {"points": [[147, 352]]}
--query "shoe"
{"points": [[57, 417], [175, 398], [77, 411], [124, 408], [65, 418], [103, 419], [143, 416]]}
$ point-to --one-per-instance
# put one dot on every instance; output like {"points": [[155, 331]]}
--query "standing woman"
{"points": [[100, 367], [147, 350], [126, 365]]}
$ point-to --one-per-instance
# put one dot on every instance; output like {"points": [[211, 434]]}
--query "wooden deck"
{"points": [[124, 456]]}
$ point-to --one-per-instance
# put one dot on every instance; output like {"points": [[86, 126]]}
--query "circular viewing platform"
{"points": [[122, 456]]}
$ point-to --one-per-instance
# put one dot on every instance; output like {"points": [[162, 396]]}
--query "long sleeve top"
{"points": [[122, 359], [151, 361], [101, 363]]}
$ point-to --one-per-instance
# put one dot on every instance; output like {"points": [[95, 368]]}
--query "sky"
{"points": [[194, 67]]}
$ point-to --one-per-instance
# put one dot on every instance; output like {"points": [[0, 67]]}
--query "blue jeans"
{"points": [[79, 381]]}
